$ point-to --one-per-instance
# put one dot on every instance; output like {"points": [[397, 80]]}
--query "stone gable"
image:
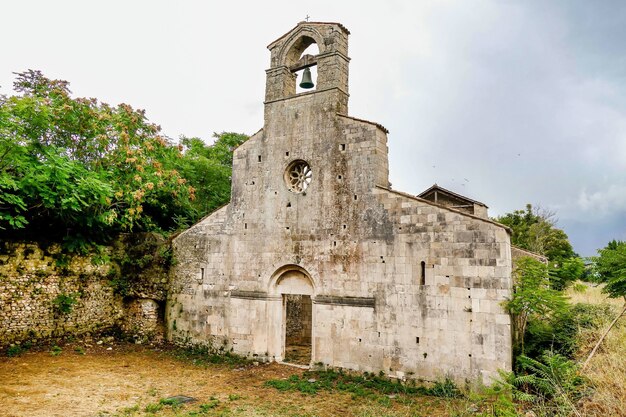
{"points": [[386, 281]]}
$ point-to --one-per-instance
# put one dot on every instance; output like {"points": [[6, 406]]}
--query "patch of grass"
{"points": [[80, 350], [129, 411], [214, 402], [360, 386], [15, 350], [445, 389], [56, 350], [202, 356], [153, 408], [172, 402], [607, 370]]}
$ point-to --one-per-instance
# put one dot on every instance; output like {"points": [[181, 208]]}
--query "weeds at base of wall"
{"points": [[366, 385], [18, 349], [205, 356]]}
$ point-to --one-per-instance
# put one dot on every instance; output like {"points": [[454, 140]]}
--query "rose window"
{"points": [[298, 176]]}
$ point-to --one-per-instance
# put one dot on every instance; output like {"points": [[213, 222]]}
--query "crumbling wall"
{"points": [[46, 293]]}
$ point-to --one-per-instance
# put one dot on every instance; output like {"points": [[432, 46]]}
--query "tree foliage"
{"points": [[80, 167], [610, 268], [534, 229], [532, 299]]}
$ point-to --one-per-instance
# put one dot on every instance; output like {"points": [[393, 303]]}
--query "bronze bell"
{"points": [[306, 79]]}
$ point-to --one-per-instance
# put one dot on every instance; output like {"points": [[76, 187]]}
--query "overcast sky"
{"points": [[507, 102]]}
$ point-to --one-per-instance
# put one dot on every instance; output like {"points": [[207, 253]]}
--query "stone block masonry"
{"points": [[47, 294], [397, 283], [43, 298]]}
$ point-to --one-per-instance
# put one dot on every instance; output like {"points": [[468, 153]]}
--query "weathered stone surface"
{"points": [[32, 282], [45, 293], [397, 283]]}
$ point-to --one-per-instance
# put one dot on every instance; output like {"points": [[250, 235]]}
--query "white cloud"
{"points": [[604, 202]]}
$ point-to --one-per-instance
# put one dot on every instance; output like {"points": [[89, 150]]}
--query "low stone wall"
{"points": [[46, 294]]}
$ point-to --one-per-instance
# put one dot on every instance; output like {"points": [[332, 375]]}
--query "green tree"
{"points": [[79, 167], [534, 229], [209, 169], [532, 299], [610, 269]]}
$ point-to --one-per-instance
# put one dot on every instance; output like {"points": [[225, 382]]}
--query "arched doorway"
{"points": [[293, 287]]}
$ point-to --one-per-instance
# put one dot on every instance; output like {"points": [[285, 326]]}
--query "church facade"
{"points": [[316, 260]]}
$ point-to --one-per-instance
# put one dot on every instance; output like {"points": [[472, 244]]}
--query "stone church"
{"points": [[316, 260]]}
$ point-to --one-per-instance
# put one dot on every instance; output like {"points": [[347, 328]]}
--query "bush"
{"points": [[560, 333], [552, 384], [64, 303], [15, 350]]}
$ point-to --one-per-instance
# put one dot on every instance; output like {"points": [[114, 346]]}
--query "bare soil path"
{"points": [[130, 380]]}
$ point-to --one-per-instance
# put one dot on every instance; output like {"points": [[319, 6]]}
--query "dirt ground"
{"points": [[126, 380]]}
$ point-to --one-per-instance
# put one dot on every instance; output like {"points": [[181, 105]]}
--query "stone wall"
{"points": [[45, 293]]}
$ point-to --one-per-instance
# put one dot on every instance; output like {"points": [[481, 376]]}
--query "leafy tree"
{"points": [[534, 229], [569, 270], [610, 269], [209, 169], [532, 299], [79, 167]]}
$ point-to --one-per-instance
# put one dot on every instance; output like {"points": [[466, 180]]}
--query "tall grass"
{"points": [[607, 369]]}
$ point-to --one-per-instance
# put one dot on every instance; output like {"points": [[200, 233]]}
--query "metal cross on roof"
{"points": [[307, 17]]}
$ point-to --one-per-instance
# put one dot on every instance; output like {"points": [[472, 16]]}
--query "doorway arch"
{"points": [[292, 316]]}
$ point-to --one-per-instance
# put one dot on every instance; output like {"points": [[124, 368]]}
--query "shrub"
{"points": [[14, 350], [64, 303], [560, 333], [551, 382]]}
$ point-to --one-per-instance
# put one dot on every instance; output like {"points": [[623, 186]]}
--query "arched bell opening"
{"points": [[301, 60], [306, 78], [293, 316], [316, 46]]}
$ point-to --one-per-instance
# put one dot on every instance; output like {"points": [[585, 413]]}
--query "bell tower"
{"points": [[332, 63], [316, 254]]}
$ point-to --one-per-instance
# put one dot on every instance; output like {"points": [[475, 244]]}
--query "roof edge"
{"points": [[535, 254], [378, 125], [430, 203], [184, 232], [342, 27], [457, 195]]}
